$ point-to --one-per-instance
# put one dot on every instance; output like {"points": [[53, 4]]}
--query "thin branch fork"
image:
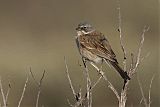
{"points": [[144, 99], [90, 87], [89, 93], [39, 84], [149, 93], [2, 92], [106, 79], [140, 47], [39, 88], [69, 79], [77, 97], [8, 91], [133, 67], [24, 89], [123, 96], [120, 35]]}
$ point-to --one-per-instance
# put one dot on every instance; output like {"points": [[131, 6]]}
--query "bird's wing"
{"points": [[96, 43]]}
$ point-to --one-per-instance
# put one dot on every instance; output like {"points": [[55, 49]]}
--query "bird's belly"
{"points": [[90, 56], [97, 60]]}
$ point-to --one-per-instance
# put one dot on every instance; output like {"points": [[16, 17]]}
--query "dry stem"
{"points": [[89, 93], [146, 103], [105, 78], [2, 92], [39, 87], [24, 89], [69, 79], [120, 35], [149, 93], [8, 91], [39, 84]]}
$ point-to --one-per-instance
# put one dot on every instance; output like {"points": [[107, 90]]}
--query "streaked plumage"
{"points": [[94, 47]]}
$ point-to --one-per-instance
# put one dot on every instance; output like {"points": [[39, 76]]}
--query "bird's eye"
{"points": [[85, 27]]}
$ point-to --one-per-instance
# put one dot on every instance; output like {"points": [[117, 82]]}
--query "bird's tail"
{"points": [[119, 70]]}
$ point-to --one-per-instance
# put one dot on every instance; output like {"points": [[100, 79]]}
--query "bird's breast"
{"points": [[90, 56]]}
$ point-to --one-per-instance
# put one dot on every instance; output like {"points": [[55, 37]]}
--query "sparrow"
{"points": [[93, 46]]}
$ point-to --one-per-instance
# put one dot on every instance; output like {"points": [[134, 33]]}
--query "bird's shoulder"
{"points": [[102, 42], [95, 35]]}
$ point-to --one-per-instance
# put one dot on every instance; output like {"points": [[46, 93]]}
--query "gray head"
{"points": [[85, 28]]}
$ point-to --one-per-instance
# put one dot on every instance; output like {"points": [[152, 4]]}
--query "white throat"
{"points": [[83, 32]]}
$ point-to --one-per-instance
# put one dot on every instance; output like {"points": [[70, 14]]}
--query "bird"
{"points": [[94, 47]]}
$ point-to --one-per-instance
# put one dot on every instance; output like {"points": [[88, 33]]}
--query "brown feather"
{"points": [[97, 44]]}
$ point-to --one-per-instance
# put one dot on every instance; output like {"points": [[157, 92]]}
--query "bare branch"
{"points": [[132, 62], [89, 93], [39, 87], [145, 57], [140, 47], [132, 71], [8, 91], [133, 66], [143, 97], [147, 104], [69, 103], [24, 89], [39, 84], [2, 92], [37, 100], [94, 85], [149, 94], [79, 102], [69, 79], [120, 35], [32, 75], [108, 82]]}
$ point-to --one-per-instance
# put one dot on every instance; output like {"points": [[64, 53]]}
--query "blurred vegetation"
{"points": [[39, 33]]}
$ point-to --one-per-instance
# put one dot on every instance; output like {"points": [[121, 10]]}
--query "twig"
{"points": [[123, 97], [32, 75], [140, 47], [147, 104], [108, 82], [39, 88], [149, 94], [132, 62], [39, 84], [94, 85], [69, 103], [89, 93], [79, 102], [78, 97], [132, 70], [2, 92], [9, 88], [69, 79], [142, 92], [24, 89], [120, 35], [145, 57]]}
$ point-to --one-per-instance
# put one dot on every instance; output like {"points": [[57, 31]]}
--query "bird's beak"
{"points": [[77, 28]]}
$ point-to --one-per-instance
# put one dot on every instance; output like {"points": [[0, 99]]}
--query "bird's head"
{"points": [[84, 28]]}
